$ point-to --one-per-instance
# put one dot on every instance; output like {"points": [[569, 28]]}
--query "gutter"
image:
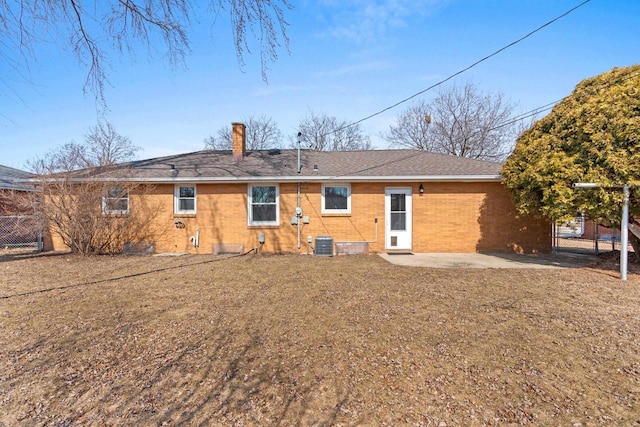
{"points": [[288, 179]]}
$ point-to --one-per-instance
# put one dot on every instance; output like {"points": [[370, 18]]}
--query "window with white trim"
{"points": [[263, 202], [115, 201], [336, 198], [184, 199]]}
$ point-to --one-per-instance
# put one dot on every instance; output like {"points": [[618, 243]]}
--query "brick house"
{"points": [[369, 201]]}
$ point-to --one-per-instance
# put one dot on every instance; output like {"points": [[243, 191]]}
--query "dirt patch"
{"points": [[301, 340]]}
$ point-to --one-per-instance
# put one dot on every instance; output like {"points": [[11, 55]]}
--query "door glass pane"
{"points": [[398, 203], [398, 221]]}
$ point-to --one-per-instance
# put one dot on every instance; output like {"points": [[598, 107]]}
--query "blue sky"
{"points": [[348, 58]]}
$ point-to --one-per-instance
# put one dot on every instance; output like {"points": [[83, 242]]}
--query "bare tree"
{"points": [[322, 132], [461, 122], [91, 28], [102, 146], [91, 216], [105, 146], [261, 132], [413, 130]]}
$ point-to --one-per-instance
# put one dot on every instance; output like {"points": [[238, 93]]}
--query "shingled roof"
{"points": [[318, 166], [10, 179]]}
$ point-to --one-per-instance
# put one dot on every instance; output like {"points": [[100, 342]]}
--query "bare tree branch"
{"points": [[461, 122], [91, 28], [322, 132], [105, 146], [262, 133]]}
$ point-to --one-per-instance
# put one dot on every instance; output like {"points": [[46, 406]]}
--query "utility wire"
{"points": [[464, 69], [531, 113], [526, 115], [549, 106]]}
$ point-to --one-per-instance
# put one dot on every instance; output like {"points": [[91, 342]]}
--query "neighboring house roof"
{"points": [[316, 166], [10, 179]]}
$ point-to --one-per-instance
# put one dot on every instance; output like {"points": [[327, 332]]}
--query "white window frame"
{"points": [[324, 210], [177, 198], [250, 220], [105, 202]]}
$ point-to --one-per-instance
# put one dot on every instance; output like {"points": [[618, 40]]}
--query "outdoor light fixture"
{"points": [[421, 189]]}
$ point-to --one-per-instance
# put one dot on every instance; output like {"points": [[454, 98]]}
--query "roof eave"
{"points": [[298, 178]]}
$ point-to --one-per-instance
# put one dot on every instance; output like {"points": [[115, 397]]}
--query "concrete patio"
{"points": [[490, 260]]}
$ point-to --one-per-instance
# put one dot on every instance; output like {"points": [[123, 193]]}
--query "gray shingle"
{"points": [[10, 178], [282, 164]]}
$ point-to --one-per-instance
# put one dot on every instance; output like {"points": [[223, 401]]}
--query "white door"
{"points": [[397, 202]]}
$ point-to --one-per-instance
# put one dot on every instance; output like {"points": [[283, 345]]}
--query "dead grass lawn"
{"points": [[298, 340]]}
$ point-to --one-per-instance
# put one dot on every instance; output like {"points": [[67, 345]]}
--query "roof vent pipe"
{"points": [[299, 137]]}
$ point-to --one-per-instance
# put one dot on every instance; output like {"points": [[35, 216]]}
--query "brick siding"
{"points": [[448, 217]]}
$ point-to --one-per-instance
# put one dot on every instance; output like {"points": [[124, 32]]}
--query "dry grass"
{"points": [[295, 340]]}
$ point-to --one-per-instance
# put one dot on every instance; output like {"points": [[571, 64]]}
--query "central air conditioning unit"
{"points": [[323, 246]]}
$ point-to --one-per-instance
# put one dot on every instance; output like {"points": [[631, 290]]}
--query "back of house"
{"points": [[305, 201]]}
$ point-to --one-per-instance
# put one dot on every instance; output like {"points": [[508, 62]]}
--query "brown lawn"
{"points": [[300, 340]]}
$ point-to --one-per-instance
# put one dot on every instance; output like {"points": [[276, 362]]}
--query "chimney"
{"points": [[239, 141]]}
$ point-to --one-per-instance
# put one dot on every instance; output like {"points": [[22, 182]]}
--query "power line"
{"points": [[464, 69], [550, 105], [526, 115], [522, 116]]}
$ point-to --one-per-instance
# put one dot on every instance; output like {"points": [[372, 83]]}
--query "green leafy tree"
{"points": [[593, 135]]}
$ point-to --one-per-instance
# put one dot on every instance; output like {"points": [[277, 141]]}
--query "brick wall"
{"points": [[448, 217]]}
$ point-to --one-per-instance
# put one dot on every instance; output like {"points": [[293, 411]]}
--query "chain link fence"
{"points": [[583, 235], [20, 232]]}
